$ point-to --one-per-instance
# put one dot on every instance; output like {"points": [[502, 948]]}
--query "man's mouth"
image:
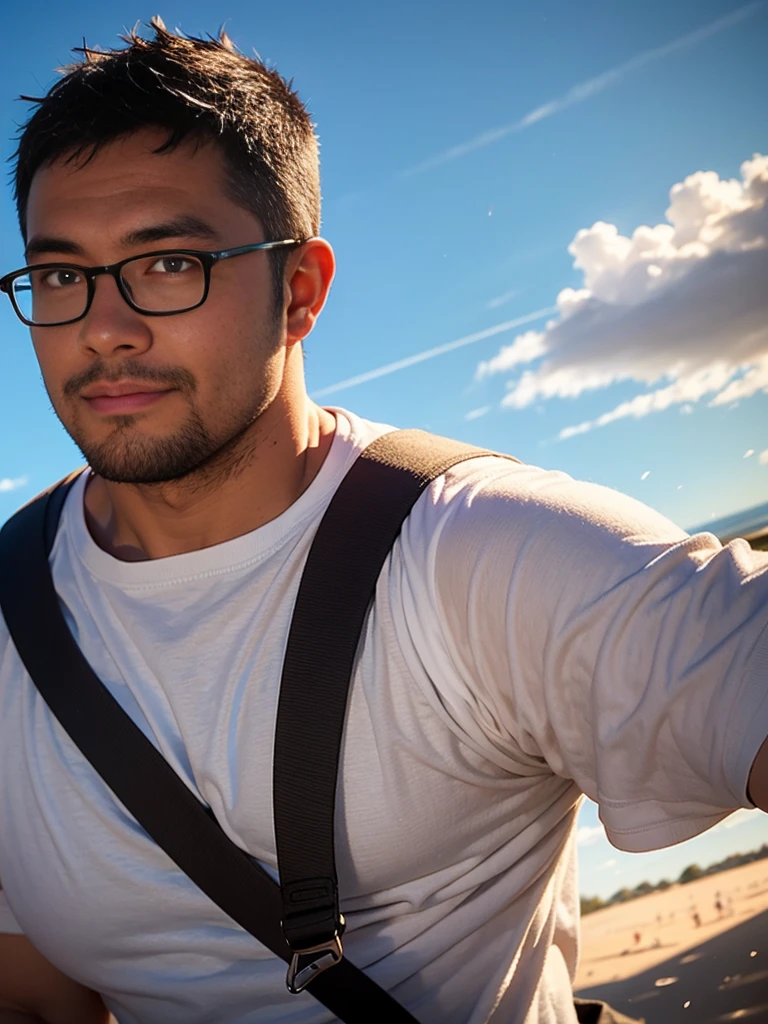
{"points": [[123, 398]]}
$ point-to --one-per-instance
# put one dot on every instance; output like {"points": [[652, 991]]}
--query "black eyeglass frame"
{"points": [[206, 257]]}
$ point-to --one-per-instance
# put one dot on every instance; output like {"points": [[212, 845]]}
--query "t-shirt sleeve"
{"points": [[586, 629], [8, 923]]}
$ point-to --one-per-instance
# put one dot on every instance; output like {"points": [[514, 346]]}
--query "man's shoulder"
{"points": [[500, 514]]}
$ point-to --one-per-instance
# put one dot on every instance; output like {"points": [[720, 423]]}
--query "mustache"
{"points": [[173, 376]]}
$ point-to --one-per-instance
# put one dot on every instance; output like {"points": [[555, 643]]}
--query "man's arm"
{"points": [[33, 991], [757, 787]]}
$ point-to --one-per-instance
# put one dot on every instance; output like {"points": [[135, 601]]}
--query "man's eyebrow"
{"points": [[179, 227], [39, 245]]}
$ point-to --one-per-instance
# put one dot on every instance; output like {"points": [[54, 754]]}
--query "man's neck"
{"points": [[278, 459]]}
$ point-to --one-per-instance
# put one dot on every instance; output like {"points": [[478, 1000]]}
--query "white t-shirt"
{"points": [[532, 638]]}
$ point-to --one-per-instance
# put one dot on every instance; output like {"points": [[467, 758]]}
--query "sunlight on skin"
{"points": [[268, 429]]}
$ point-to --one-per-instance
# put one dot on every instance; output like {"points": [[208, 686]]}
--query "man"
{"points": [[532, 638]]}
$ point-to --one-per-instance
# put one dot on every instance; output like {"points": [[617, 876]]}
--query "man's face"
{"points": [[149, 399]]}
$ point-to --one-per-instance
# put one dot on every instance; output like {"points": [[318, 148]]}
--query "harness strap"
{"points": [[337, 587], [161, 803]]}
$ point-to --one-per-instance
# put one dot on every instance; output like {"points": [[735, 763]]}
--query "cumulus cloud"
{"points": [[524, 349], [680, 308], [7, 484]]}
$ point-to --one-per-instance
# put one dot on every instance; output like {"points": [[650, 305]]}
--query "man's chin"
{"points": [[191, 454], [160, 461], [139, 475], [138, 478]]}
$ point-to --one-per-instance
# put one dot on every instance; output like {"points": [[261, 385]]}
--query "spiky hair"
{"points": [[203, 90]]}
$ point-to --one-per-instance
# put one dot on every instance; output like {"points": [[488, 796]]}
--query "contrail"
{"points": [[420, 357], [585, 90]]}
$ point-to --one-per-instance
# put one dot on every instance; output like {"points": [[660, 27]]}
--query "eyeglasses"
{"points": [[154, 284]]}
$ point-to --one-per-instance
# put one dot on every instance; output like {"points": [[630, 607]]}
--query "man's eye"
{"points": [[61, 278], [170, 265]]}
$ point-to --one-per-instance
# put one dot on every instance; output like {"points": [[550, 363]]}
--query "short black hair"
{"points": [[203, 90]]}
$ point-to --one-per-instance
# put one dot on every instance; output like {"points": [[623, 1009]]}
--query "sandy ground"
{"points": [[633, 937]]}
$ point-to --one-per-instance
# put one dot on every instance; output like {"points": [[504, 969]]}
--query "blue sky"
{"points": [[464, 147]]}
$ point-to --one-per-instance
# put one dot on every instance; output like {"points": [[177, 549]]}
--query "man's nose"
{"points": [[111, 326]]}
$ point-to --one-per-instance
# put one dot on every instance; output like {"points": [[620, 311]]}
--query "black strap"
{"points": [[137, 773], [55, 498], [337, 586]]}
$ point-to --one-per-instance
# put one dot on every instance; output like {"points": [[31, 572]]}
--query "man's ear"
{"points": [[308, 278]]}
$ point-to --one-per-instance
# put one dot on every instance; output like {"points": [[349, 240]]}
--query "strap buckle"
{"points": [[307, 963]]}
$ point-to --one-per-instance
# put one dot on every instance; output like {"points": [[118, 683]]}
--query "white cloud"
{"points": [[694, 328], [740, 817], [525, 348], [585, 90], [7, 484], [755, 379], [588, 834], [475, 414], [748, 453], [582, 428]]}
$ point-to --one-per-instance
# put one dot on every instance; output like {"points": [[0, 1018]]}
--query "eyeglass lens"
{"points": [[155, 284]]}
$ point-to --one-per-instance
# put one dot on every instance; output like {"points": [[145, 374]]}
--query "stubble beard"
{"points": [[193, 454], [126, 458]]}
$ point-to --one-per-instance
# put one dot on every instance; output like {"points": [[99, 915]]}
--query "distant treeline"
{"points": [[691, 873]]}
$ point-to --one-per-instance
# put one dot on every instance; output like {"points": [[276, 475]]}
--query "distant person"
{"points": [[533, 638], [718, 905]]}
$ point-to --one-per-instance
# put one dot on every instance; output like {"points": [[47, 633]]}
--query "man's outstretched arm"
{"points": [[757, 787]]}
